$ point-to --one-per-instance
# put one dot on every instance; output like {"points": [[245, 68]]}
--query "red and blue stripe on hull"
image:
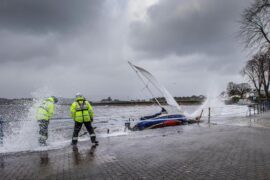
{"points": [[163, 121]]}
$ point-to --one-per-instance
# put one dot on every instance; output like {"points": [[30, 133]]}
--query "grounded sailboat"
{"points": [[172, 116]]}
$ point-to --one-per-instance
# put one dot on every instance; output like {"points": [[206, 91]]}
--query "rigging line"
{"points": [[147, 78], [144, 83], [146, 86], [154, 84]]}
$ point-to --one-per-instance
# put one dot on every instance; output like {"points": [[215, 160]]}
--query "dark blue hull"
{"points": [[163, 121]]}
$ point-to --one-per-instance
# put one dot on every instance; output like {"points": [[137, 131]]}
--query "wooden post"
{"points": [[209, 115], [1, 131]]}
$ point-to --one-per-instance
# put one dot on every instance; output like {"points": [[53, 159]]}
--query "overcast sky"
{"points": [[70, 46]]}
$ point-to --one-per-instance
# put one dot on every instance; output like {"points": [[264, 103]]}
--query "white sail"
{"points": [[169, 98]]}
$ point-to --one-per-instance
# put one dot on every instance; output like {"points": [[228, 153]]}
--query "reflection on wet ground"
{"points": [[80, 157], [44, 158], [2, 162]]}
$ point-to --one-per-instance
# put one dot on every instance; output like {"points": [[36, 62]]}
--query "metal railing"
{"points": [[253, 110]]}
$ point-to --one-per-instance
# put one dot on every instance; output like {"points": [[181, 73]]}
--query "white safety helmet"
{"points": [[79, 94]]}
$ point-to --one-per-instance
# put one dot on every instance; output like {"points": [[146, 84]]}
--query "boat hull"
{"points": [[163, 121]]}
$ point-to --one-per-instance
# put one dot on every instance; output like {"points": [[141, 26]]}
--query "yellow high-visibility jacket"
{"points": [[46, 110], [81, 110]]}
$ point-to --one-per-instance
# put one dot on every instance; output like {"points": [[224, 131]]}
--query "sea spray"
{"points": [[217, 107], [23, 133]]}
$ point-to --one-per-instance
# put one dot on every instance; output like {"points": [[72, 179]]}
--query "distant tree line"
{"points": [[255, 33], [161, 99], [184, 98]]}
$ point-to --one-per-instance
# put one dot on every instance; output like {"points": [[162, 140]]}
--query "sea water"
{"points": [[21, 128]]}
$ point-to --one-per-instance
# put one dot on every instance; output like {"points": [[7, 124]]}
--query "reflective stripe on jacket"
{"points": [[46, 110], [81, 110]]}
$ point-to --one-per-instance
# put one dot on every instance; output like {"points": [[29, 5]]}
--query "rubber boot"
{"points": [[42, 142], [74, 142], [94, 141]]}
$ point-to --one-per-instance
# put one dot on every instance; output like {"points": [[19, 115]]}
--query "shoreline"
{"points": [[188, 101]]}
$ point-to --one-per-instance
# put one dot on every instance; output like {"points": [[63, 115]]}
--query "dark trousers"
{"points": [[77, 128], [43, 131]]}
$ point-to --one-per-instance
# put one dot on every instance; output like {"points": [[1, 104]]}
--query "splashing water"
{"points": [[218, 108], [23, 133]]}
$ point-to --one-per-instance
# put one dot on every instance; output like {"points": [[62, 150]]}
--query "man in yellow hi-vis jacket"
{"points": [[44, 114], [82, 112]]}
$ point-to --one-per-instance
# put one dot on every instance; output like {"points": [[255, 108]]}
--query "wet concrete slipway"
{"points": [[184, 152]]}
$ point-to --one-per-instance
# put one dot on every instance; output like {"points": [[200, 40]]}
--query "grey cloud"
{"points": [[17, 47], [88, 59], [52, 31], [205, 26], [42, 16], [84, 46]]}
